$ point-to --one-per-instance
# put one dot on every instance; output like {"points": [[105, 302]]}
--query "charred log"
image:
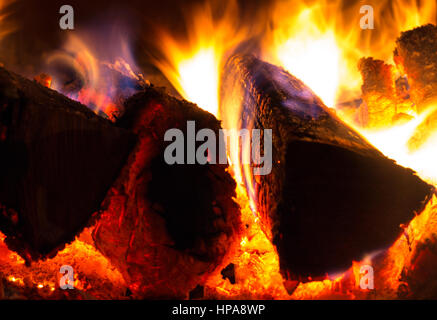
{"points": [[58, 160], [331, 196], [167, 227], [416, 56]]}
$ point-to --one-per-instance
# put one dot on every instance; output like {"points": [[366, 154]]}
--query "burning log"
{"points": [[58, 159], [167, 227], [331, 196], [416, 56]]}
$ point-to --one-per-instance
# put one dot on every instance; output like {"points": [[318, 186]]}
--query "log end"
{"points": [[171, 225]]}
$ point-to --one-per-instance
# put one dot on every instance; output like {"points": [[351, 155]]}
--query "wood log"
{"points": [[416, 56], [331, 196], [58, 159], [167, 227]]}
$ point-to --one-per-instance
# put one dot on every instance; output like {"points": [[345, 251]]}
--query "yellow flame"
{"points": [[197, 78], [310, 53], [321, 42], [192, 65]]}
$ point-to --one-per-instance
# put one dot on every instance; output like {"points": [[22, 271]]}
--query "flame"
{"points": [[309, 52], [94, 85], [321, 42], [190, 80], [193, 65], [393, 142]]}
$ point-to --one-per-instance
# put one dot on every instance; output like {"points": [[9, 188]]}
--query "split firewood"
{"points": [[167, 227], [58, 160], [331, 197], [416, 56]]}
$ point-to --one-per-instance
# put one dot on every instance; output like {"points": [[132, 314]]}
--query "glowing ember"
{"points": [[94, 275]]}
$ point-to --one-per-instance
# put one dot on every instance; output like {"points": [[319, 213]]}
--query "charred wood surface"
{"points": [[416, 55], [331, 196], [58, 160], [167, 227]]}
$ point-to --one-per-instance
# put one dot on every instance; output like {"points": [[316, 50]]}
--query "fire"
{"points": [[93, 272], [320, 43], [191, 81], [309, 52], [393, 142], [193, 65], [95, 82], [256, 263]]}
